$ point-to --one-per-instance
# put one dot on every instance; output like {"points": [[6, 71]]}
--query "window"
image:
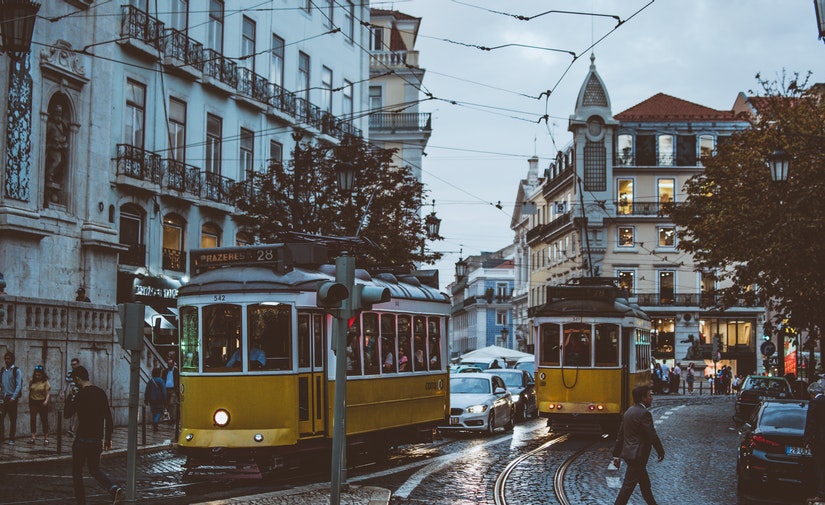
{"points": [[131, 234], [308, 5], [606, 345], [276, 69], [214, 39], [666, 287], [177, 130], [625, 150], [666, 188], [627, 280], [214, 125], [667, 236], [179, 15], [326, 89], [347, 108], [376, 101], [330, 8], [627, 236], [303, 76], [349, 20], [706, 147], [276, 152], [135, 114], [595, 166], [247, 59], [549, 349], [173, 233], [247, 142], [624, 187], [377, 39], [665, 150], [210, 236], [142, 5], [501, 317]]}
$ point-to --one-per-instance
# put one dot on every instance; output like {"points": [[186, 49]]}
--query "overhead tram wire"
{"points": [[530, 18]]}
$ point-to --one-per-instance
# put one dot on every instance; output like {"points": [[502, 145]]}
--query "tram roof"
{"points": [[618, 307], [243, 279]]}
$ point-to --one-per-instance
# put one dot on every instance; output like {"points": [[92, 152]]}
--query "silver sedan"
{"points": [[479, 402]]}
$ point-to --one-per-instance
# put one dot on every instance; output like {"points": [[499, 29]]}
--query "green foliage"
{"points": [[756, 232], [302, 199]]}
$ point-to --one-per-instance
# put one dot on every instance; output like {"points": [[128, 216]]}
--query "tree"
{"points": [[765, 237], [302, 201]]}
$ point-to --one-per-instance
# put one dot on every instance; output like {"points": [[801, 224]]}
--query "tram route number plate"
{"points": [[797, 451], [454, 420]]}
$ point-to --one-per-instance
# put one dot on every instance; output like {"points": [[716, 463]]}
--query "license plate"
{"points": [[454, 420], [797, 451]]}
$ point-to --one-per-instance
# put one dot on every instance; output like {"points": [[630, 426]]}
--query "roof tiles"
{"points": [[662, 107]]}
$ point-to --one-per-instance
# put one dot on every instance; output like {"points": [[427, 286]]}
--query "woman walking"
{"points": [[39, 392], [690, 378]]}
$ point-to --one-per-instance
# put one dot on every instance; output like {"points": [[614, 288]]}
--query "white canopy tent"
{"points": [[492, 352]]}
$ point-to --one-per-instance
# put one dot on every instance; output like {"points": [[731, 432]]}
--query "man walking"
{"points": [[171, 379], [814, 436], [69, 389], [94, 432], [11, 386], [633, 443]]}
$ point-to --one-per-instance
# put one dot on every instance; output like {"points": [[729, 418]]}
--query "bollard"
{"points": [[59, 440], [143, 425]]}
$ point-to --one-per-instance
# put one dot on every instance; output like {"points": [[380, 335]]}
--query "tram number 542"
{"points": [[220, 298]]}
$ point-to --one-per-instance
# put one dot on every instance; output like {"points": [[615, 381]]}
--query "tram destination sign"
{"points": [[280, 257]]}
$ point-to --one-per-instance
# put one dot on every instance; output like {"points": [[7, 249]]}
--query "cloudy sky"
{"points": [[488, 104]]}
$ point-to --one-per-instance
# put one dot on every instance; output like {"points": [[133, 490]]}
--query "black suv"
{"points": [[754, 390]]}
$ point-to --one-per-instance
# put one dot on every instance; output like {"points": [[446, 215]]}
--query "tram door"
{"points": [[311, 383]]}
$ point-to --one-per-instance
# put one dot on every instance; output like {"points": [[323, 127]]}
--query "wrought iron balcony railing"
{"points": [[174, 259], [178, 45], [253, 85], [134, 256], [182, 177], [683, 300], [543, 230], [217, 187], [141, 26], [405, 121], [658, 209], [138, 163], [218, 66]]}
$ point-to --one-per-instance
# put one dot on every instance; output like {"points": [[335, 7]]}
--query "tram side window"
{"points": [[419, 344], [270, 332], [607, 344], [304, 339], [389, 341], [318, 334], [354, 350], [641, 340], [189, 342], [222, 336], [404, 335], [370, 325], [577, 344], [434, 335], [549, 345]]}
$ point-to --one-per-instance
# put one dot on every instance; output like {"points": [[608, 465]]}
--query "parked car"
{"points": [[771, 449], [479, 402], [527, 363], [522, 391], [484, 364], [756, 388]]}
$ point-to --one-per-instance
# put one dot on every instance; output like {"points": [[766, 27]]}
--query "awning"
{"points": [[161, 318]]}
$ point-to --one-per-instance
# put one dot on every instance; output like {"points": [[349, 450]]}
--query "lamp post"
{"points": [[17, 19], [819, 7]]}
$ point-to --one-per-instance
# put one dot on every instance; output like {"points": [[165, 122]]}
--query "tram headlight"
{"points": [[221, 417], [477, 409]]}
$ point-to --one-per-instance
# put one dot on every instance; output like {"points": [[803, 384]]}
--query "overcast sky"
{"points": [[703, 51]]}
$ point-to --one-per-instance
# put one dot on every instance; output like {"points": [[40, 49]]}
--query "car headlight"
{"points": [[515, 397], [477, 409]]}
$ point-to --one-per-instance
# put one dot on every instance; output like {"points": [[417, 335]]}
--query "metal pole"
{"points": [[131, 454], [344, 274]]}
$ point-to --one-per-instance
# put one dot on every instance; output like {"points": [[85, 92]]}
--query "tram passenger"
{"points": [[577, 349], [353, 352], [370, 353], [403, 360], [257, 356], [389, 360], [420, 361]]}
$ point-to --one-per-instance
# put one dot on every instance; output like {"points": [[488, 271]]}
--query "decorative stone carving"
{"points": [[63, 63]]}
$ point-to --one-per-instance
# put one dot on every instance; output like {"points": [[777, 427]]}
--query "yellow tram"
{"points": [[592, 349], [257, 367]]}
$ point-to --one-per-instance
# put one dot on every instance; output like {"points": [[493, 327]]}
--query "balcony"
{"points": [[181, 177], [135, 255], [405, 122], [135, 164], [684, 300], [543, 230], [182, 54], [383, 60], [174, 260], [141, 31], [219, 71], [217, 188], [653, 209], [253, 87]]}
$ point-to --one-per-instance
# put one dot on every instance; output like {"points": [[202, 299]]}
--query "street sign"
{"points": [[767, 348]]}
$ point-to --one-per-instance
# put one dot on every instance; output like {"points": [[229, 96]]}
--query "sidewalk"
{"points": [[316, 494]]}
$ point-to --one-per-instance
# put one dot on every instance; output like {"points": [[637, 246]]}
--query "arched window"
{"points": [[210, 236], [174, 229]]}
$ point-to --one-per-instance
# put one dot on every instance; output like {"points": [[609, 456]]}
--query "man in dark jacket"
{"points": [[94, 435], [636, 437], [814, 436]]}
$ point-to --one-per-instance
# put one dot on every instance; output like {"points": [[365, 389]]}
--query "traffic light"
{"points": [[364, 296], [329, 294]]}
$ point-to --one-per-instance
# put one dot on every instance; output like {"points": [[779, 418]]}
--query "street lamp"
{"points": [[17, 19], [779, 163], [461, 268], [433, 224], [819, 7]]}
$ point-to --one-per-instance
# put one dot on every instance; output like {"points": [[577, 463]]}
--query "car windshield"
{"points": [[792, 417], [512, 380], [474, 385], [766, 385]]}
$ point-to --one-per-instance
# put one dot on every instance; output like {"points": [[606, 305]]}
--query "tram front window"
{"points": [[607, 345], [270, 328], [577, 344], [221, 336]]}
